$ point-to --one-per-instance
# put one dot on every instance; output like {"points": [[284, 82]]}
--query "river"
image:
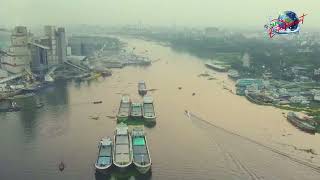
{"points": [[212, 143]]}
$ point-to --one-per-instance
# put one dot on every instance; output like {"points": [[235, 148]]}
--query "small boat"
{"points": [[141, 154], [304, 124], [136, 110], [97, 102], [61, 166], [216, 67], [104, 160], [122, 153], [142, 88], [124, 109], [148, 109]]}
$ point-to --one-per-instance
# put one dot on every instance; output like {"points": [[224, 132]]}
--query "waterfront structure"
{"points": [[18, 56], [242, 85], [52, 48]]}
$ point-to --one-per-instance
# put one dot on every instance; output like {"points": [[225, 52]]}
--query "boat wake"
{"points": [[228, 155], [313, 167]]}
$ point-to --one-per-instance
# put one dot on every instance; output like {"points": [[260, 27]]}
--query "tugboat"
{"points": [[136, 111], [304, 123], [149, 114], [104, 161], [142, 88], [124, 109], [141, 154], [122, 153]]}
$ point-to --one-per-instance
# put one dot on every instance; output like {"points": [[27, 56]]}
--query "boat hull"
{"points": [[141, 150], [234, 78], [215, 68], [122, 167], [150, 119], [142, 92], [301, 124], [139, 117], [103, 169], [122, 118], [142, 169], [150, 122]]}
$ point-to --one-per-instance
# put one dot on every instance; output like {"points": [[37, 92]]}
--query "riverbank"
{"points": [[227, 109]]}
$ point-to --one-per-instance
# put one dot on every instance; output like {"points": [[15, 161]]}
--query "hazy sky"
{"points": [[227, 13]]}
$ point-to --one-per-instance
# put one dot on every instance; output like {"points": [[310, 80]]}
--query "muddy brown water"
{"points": [[34, 141]]}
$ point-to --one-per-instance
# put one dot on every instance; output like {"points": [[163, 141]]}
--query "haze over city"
{"points": [[159, 89], [227, 13]]}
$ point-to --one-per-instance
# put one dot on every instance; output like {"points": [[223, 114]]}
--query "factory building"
{"points": [[56, 41], [36, 54], [61, 45], [18, 56], [51, 42], [39, 62]]}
